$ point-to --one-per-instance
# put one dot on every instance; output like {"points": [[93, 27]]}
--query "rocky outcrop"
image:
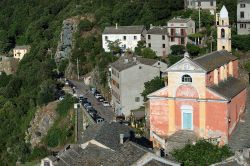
{"points": [[41, 123]]}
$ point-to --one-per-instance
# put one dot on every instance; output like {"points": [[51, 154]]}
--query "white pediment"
{"points": [[186, 64]]}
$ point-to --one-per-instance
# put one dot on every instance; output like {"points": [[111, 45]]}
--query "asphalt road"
{"points": [[105, 112]]}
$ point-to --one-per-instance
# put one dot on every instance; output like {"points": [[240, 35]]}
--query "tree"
{"points": [[114, 46], [148, 53], [202, 153], [139, 47], [177, 49], [152, 86], [173, 59], [193, 50]]}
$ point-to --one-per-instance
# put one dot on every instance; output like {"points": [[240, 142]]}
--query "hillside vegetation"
{"points": [[38, 23]]}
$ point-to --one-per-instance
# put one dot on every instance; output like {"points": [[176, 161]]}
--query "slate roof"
{"points": [[158, 30], [179, 20], [121, 63], [243, 1], [22, 47], [124, 30], [156, 163], [108, 134], [214, 60], [229, 88]]}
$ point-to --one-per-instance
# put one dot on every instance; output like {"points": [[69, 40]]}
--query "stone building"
{"points": [[223, 30], [20, 51], [157, 39], [128, 75], [179, 29], [203, 4], [243, 17]]}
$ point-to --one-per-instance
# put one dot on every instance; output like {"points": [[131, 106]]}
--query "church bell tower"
{"points": [[223, 30]]}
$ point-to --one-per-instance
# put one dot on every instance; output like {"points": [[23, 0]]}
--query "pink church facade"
{"points": [[203, 95]]}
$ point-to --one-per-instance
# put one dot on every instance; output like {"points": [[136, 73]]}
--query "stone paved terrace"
{"points": [[241, 136]]}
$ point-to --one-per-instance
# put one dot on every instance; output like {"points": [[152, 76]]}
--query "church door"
{"points": [[187, 118]]}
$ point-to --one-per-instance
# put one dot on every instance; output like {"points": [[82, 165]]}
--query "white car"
{"points": [[61, 98], [105, 104], [98, 96]]}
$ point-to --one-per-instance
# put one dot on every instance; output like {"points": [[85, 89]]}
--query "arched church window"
{"points": [[186, 78], [222, 33]]}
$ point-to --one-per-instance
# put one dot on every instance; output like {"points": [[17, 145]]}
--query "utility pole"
{"points": [[77, 65], [199, 24]]}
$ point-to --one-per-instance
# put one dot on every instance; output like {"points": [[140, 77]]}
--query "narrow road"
{"points": [[105, 112]]}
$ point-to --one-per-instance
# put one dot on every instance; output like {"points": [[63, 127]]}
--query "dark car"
{"points": [[96, 92], [98, 119], [101, 99], [87, 104], [92, 110]]}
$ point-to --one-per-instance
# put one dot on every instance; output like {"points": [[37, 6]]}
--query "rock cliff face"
{"points": [[39, 126]]}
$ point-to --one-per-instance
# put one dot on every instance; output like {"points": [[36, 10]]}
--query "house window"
{"points": [[182, 32], [222, 33], [242, 5], [172, 32], [172, 39], [186, 78], [135, 37], [46, 163], [137, 99], [223, 47], [140, 67], [199, 3], [182, 40], [243, 26], [163, 45], [106, 37], [124, 37], [163, 37], [149, 45], [242, 14], [149, 37], [211, 3]]}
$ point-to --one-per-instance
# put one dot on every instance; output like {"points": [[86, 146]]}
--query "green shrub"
{"points": [[174, 58], [54, 136], [241, 42], [193, 50], [177, 49], [85, 25], [65, 105], [203, 153]]}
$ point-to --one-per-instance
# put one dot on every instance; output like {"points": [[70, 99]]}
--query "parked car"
{"points": [[105, 104], [86, 104], [92, 110], [82, 98], [66, 82], [98, 119], [98, 96], [96, 92], [93, 90], [61, 98], [101, 99]]}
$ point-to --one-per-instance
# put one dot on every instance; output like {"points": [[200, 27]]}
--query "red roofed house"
{"points": [[203, 95]]}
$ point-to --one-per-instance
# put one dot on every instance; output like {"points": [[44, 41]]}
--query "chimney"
{"points": [[246, 153], [186, 54], [116, 26], [125, 60], [121, 138]]}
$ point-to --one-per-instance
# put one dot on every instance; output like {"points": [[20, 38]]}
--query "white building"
{"points": [[128, 36], [20, 51], [128, 75], [243, 17], [203, 4]]}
